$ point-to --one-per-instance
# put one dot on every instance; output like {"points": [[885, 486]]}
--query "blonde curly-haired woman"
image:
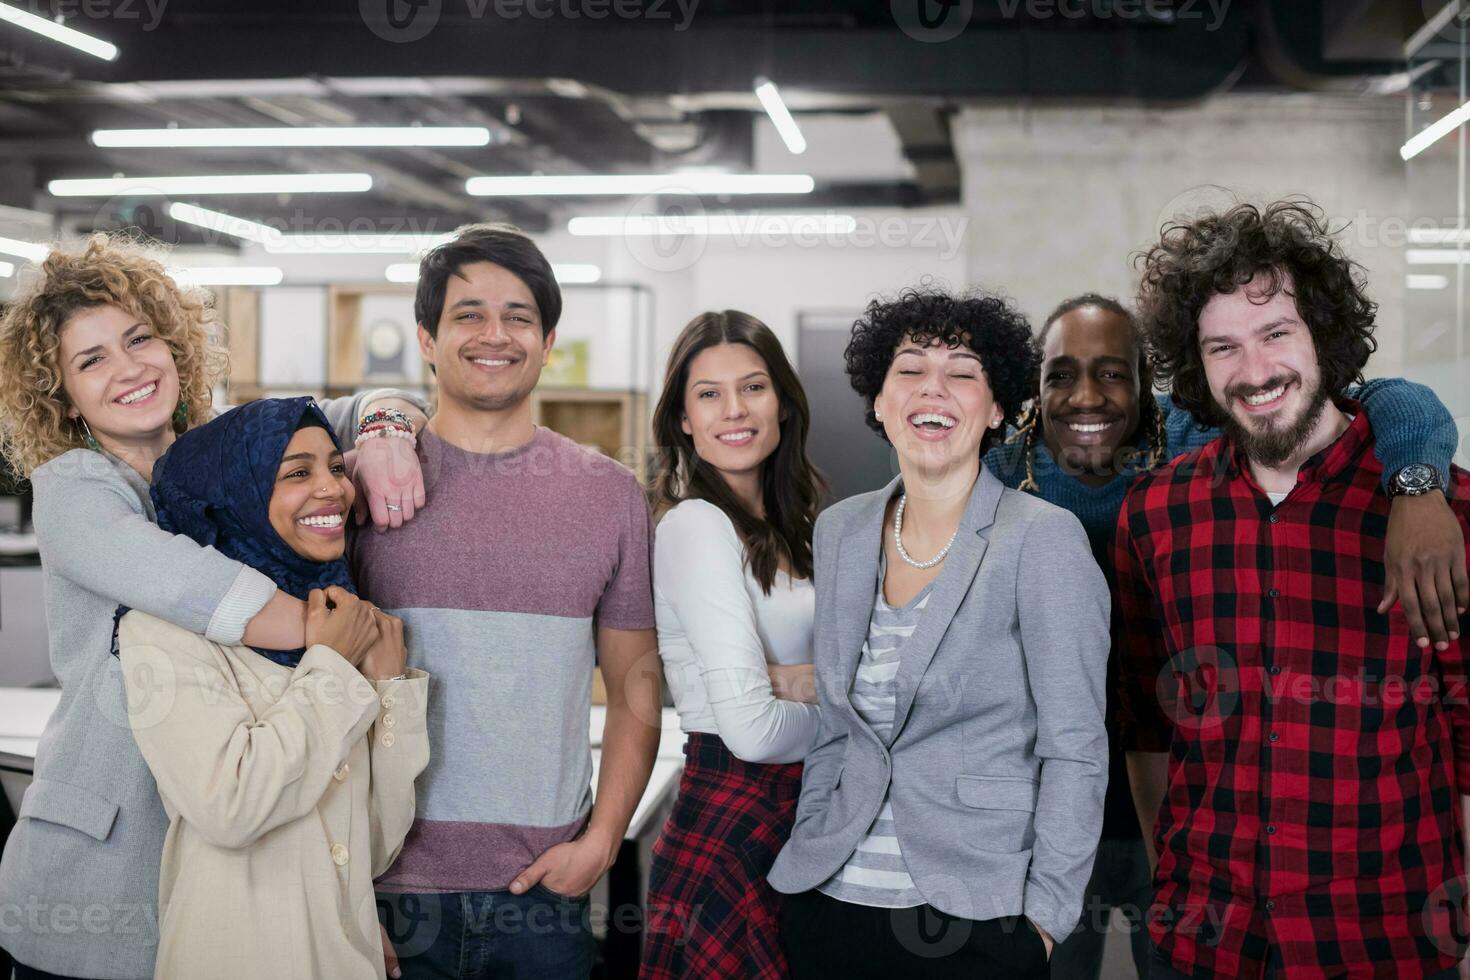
{"points": [[104, 359]]}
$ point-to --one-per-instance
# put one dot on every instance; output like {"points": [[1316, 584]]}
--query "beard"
{"points": [[1269, 442]]}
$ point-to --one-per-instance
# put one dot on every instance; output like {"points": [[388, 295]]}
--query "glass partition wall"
{"points": [[1436, 153]]}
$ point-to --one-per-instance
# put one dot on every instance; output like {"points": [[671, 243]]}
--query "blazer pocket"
{"points": [[1003, 809], [70, 806], [818, 810]]}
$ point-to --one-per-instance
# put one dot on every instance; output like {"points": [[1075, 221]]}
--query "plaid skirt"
{"points": [[710, 911]]}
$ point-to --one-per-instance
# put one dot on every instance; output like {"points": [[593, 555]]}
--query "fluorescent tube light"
{"points": [[296, 136], [1428, 281], [634, 184], [228, 275], [1432, 133], [1436, 256], [350, 244], [568, 273], [24, 250], [215, 184], [58, 32], [747, 224], [227, 224], [770, 99]]}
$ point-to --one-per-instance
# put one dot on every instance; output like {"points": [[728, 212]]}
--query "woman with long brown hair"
{"points": [[734, 602]]}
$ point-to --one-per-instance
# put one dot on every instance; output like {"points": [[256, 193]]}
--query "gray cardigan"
{"points": [[79, 877], [999, 760]]}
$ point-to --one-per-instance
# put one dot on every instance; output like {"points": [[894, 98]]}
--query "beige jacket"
{"points": [[287, 792]]}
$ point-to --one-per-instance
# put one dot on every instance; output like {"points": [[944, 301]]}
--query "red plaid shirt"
{"points": [[1315, 751]]}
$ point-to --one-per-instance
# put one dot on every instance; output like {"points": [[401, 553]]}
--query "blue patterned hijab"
{"points": [[214, 485]]}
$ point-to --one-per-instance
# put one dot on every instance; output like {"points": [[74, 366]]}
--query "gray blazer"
{"points": [[999, 759], [79, 877]]}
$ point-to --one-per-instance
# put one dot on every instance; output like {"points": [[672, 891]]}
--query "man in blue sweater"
{"points": [[1095, 425]]}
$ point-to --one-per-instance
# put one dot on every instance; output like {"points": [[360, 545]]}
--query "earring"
{"points": [[877, 415], [181, 415], [995, 424], [91, 443]]}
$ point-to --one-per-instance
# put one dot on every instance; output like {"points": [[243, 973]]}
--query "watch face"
{"points": [[1417, 476]]}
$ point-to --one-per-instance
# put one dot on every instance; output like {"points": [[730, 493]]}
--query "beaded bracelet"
{"points": [[385, 417], [388, 432]]}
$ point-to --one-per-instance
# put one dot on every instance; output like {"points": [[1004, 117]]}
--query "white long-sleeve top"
{"points": [[717, 631]]}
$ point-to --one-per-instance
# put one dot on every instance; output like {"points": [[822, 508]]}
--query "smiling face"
{"points": [[312, 494], [936, 404], [118, 376], [1262, 370], [1089, 391], [731, 410], [488, 352]]}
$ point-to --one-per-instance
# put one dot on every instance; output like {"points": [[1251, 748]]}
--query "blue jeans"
{"points": [[484, 935]]}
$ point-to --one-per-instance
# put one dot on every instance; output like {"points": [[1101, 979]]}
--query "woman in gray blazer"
{"points": [[951, 808]]}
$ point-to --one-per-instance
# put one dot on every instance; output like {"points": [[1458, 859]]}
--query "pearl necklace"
{"points": [[898, 539]]}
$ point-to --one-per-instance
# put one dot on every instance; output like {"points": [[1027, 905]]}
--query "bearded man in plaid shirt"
{"points": [[1302, 762]]}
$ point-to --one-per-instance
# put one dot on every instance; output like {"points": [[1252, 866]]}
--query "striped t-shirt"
{"points": [[501, 581], [876, 875]]}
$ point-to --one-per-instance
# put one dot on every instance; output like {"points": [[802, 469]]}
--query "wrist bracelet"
{"points": [[388, 432], [385, 416]]}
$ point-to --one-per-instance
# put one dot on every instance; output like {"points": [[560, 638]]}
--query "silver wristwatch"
{"points": [[1415, 480]]}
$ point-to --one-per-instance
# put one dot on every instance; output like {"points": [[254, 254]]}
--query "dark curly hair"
{"points": [[987, 324], [1291, 243]]}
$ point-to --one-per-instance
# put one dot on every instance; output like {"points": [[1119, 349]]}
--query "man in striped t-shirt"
{"points": [[530, 560]]}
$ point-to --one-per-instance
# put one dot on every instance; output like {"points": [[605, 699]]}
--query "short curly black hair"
{"points": [[988, 324], [1292, 244]]}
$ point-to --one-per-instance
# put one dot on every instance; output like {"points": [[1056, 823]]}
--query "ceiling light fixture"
{"points": [[571, 273], [25, 250], [228, 275], [730, 223], [296, 136], [214, 184], [634, 184], [71, 37], [1436, 256], [1435, 131], [770, 99], [193, 214]]}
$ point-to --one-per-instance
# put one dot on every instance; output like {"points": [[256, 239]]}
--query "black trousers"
{"points": [[825, 938]]}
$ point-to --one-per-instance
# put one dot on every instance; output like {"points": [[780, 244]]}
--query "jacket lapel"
{"points": [[857, 578], [950, 588]]}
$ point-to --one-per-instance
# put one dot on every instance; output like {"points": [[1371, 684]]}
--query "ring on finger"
{"points": [[394, 507]]}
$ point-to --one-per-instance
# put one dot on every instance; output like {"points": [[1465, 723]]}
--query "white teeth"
{"points": [[740, 436], [923, 417], [141, 393], [1265, 396], [326, 520], [488, 362], [1088, 426]]}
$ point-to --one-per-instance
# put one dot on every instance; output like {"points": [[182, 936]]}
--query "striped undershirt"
{"points": [[876, 875]]}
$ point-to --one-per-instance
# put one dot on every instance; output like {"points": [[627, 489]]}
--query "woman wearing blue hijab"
{"points": [[287, 776]]}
